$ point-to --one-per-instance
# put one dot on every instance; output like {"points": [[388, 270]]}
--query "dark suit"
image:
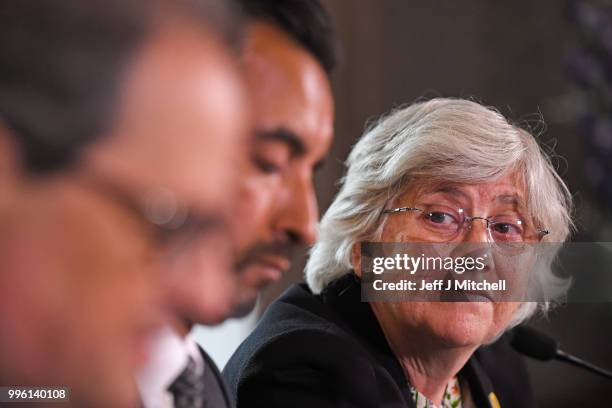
{"points": [[329, 351], [215, 391]]}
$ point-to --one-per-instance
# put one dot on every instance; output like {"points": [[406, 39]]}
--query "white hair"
{"points": [[437, 141]]}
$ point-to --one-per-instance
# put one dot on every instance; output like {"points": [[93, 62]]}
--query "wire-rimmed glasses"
{"points": [[440, 223], [174, 225]]}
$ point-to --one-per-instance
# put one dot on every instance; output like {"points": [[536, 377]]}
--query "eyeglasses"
{"points": [[173, 225], [444, 224]]}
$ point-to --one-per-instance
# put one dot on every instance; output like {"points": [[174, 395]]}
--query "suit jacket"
{"points": [[329, 351], [216, 394]]}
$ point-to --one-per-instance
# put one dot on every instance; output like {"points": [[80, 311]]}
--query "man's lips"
{"points": [[270, 268]]}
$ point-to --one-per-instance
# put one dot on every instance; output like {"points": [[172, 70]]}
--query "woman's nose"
{"points": [[477, 230]]}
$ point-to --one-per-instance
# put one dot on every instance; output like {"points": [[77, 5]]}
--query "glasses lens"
{"points": [[439, 222], [507, 229], [510, 234]]}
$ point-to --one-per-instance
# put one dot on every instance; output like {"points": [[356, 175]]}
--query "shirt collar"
{"points": [[168, 357]]}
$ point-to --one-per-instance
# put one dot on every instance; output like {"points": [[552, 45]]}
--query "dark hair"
{"points": [[306, 21], [61, 63]]}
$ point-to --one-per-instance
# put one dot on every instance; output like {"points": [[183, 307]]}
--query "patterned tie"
{"points": [[188, 388]]}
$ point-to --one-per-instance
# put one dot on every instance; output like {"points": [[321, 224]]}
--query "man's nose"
{"points": [[299, 213]]}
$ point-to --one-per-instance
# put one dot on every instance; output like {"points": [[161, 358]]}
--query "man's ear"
{"points": [[356, 258]]}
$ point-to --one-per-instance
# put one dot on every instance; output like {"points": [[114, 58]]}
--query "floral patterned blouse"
{"points": [[451, 399]]}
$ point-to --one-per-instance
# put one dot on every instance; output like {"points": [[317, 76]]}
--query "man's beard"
{"points": [[244, 307], [281, 249]]}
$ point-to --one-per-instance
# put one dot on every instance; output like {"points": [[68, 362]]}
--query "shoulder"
{"points": [[508, 373], [299, 353], [295, 329]]}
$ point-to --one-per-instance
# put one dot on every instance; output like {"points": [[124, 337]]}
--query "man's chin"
{"points": [[244, 307]]}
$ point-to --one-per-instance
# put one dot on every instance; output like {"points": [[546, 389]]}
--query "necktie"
{"points": [[188, 388]]}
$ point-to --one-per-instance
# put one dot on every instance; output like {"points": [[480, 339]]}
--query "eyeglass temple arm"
{"points": [[400, 209]]}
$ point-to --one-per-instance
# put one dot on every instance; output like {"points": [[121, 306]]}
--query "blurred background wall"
{"points": [[524, 58]]}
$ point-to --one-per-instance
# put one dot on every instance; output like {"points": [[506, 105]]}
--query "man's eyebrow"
{"points": [[285, 136]]}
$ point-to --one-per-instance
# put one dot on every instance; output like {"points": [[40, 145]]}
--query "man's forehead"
{"points": [[290, 92], [276, 66], [267, 39]]}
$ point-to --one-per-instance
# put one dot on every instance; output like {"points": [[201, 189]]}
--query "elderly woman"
{"points": [[445, 170]]}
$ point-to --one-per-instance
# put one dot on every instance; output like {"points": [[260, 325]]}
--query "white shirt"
{"points": [[169, 354]]}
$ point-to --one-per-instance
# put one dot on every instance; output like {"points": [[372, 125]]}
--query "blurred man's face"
{"points": [[293, 114], [83, 293], [196, 147]]}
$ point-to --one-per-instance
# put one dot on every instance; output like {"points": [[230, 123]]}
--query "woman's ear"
{"points": [[356, 258]]}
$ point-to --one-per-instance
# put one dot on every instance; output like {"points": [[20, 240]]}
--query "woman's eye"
{"points": [[440, 217], [507, 228]]}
